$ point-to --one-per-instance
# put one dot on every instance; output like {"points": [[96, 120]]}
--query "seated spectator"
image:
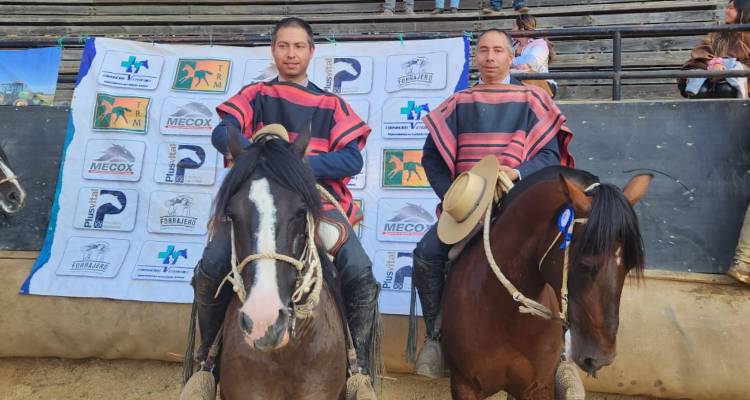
{"points": [[533, 55], [497, 5], [389, 7], [721, 51], [440, 6]]}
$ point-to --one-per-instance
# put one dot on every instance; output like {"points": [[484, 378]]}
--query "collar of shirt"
{"points": [[305, 83], [505, 81]]}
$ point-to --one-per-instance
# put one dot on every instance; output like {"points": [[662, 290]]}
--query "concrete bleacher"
{"points": [[229, 22]]}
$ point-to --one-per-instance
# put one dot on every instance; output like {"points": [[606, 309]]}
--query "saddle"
{"points": [[330, 235]]}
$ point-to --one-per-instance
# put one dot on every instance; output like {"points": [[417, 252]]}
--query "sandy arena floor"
{"points": [[57, 379]]}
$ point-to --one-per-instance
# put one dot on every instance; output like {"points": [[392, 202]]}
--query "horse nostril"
{"points": [[246, 323], [14, 196], [589, 364]]}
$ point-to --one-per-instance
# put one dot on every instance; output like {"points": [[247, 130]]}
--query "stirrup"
{"points": [[568, 384], [200, 386], [430, 363], [359, 387]]}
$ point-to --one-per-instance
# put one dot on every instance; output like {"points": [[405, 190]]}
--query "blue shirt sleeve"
{"points": [[338, 164], [545, 157], [220, 134], [436, 169]]}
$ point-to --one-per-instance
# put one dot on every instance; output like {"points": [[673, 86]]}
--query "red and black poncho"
{"points": [[511, 122], [332, 123]]}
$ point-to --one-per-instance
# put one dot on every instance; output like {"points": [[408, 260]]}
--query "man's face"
{"points": [[493, 57], [292, 53]]}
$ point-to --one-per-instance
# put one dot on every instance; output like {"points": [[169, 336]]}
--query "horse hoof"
{"points": [[430, 360], [568, 384]]}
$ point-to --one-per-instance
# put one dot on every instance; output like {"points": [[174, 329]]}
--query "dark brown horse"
{"points": [[12, 195], [267, 352], [489, 345]]}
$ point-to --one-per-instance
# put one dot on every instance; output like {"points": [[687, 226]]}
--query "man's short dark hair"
{"points": [[502, 32], [293, 22]]}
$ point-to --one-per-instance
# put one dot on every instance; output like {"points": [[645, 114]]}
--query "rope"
{"points": [[306, 295], [11, 178], [529, 306]]}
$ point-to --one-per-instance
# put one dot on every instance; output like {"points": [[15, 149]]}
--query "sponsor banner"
{"points": [[189, 117], [94, 257], [114, 160], [405, 220], [106, 209], [260, 70], [393, 271], [358, 181], [402, 117], [121, 113], [182, 213], [416, 71], [402, 168], [186, 164], [131, 70], [167, 261], [344, 75], [361, 107], [202, 75]]}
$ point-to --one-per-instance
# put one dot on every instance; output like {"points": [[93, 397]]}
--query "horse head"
{"points": [[603, 250], [267, 197], [12, 195]]}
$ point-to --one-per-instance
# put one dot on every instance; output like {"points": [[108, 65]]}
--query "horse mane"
{"points": [[611, 219], [276, 161]]}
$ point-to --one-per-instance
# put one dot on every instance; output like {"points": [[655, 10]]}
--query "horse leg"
{"points": [[462, 389]]}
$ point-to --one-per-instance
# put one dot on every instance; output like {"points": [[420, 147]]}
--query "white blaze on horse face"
{"points": [[618, 256], [263, 303]]}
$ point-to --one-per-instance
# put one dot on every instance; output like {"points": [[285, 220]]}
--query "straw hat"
{"points": [[467, 199], [269, 131]]}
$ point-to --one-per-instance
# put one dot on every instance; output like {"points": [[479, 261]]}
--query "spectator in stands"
{"points": [[721, 51], [533, 55], [389, 7], [440, 6], [497, 5]]}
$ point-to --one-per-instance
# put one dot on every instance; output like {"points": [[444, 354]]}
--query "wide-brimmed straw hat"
{"points": [[270, 131], [467, 199]]}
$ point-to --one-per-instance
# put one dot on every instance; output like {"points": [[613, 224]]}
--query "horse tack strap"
{"points": [[11, 178], [529, 306]]}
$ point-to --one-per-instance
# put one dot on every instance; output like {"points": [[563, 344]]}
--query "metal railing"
{"points": [[617, 74]]}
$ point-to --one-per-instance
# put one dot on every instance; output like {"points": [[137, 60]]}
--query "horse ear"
{"points": [[299, 147], [576, 197], [637, 187], [234, 142]]}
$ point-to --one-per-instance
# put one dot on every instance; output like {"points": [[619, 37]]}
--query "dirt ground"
{"points": [[57, 379]]}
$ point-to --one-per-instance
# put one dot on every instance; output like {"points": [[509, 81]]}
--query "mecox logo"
{"points": [[409, 220], [191, 116], [115, 160]]}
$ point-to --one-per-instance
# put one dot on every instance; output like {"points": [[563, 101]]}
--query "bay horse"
{"points": [[12, 195], [271, 200], [489, 344]]}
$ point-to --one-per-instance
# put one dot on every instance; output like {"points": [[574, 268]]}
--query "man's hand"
{"points": [[512, 174]]}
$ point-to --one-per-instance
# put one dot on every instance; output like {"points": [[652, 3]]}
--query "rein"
{"points": [[11, 178], [529, 306]]}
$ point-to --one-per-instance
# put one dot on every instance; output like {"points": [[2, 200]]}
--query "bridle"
{"points": [[529, 306]]}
